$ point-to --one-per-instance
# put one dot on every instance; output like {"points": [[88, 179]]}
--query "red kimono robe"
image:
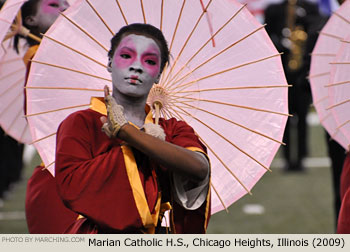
{"points": [[343, 226], [115, 188], [45, 212]]}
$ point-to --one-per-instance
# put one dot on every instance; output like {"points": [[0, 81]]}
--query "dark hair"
{"points": [[29, 8], [146, 30]]}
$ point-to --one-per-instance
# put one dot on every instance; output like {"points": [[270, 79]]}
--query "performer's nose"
{"points": [[136, 69]]}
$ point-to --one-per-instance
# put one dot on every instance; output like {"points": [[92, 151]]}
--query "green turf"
{"points": [[294, 203]]}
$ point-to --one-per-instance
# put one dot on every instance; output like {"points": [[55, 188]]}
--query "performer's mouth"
{"points": [[134, 79]]}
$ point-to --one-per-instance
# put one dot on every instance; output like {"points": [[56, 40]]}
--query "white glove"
{"points": [[154, 130]]}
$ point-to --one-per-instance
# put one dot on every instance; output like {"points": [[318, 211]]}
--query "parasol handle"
{"points": [[25, 32], [34, 37], [157, 106]]}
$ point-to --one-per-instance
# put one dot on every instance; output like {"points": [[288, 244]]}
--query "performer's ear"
{"points": [[31, 21], [109, 66]]}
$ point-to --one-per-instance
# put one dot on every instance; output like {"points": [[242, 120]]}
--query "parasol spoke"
{"points": [[100, 17], [331, 35], [325, 117], [43, 138], [9, 104], [12, 73], [84, 31], [237, 106], [343, 124], [235, 123], [16, 118], [217, 194], [173, 38], [122, 12], [318, 75], [338, 104], [177, 25], [341, 17], [339, 63], [12, 86], [46, 167], [11, 60], [76, 51], [210, 39], [65, 88], [321, 100], [186, 42], [223, 137], [333, 135], [23, 131], [161, 16], [216, 55], [72, 70], [184, 85], [323, 54], [143, 12], [5, 21], [59, 109], [338, 83], [232, 88]]}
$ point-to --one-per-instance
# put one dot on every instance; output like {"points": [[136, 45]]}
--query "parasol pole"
{"points": [[158, 98], [157, 106]]}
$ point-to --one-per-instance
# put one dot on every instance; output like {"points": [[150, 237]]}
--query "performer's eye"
{"points": [[151, 62], [55, 5], [125, 56]]}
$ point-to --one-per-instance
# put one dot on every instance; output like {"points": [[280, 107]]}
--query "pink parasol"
{"points": [[327, 45], [12, 76], [339, 90], [225, 79]]}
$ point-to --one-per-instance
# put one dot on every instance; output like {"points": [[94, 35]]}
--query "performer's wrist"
{"points": [[124, 131]]}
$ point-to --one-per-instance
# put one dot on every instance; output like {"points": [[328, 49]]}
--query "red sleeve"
{"points": [[91, 176], [345, 177], [45, 212], [343, 226], [181, 134], [187, 221]]}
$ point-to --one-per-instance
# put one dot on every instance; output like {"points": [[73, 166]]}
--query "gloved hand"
{"points": [[115, 116], [154, 130]]}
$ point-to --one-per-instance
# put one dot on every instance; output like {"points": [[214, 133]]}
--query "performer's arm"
{"points": [[175, 158]]}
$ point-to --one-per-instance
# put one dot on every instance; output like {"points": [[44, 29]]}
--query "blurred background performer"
{"points": [[11, 160], [292, 27], [45, 212]]}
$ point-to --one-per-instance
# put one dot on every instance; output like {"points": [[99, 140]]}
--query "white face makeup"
{"points": [[47, 13], [135, 66]]}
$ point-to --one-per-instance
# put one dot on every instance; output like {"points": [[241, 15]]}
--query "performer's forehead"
{"points": [[146, 34]]}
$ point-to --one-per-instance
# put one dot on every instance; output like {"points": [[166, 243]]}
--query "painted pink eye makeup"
{"points": [[150, 60], [147, 55], [50, 6], [126, 57]]}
